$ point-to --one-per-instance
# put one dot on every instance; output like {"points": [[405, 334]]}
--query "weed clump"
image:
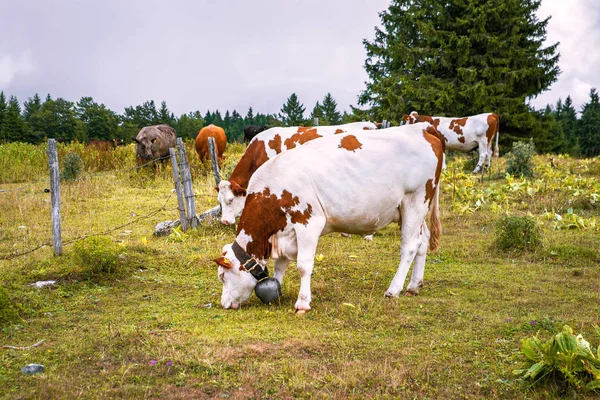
{"points": [[72, 166], [519, 162], [98, 257], [514, 232], [8, 312]]}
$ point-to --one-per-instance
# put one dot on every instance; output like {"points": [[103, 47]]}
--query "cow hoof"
{"points": [[299, 313], [390, 295], [411, 292], [420, 285], [346, 235], [369, 238]]}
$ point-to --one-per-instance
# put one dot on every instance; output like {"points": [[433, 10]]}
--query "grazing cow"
{"points": [[153, 142], [466, 133], [201, 143], [105, 145], [263, 147], [355, 183], [252, 130]]}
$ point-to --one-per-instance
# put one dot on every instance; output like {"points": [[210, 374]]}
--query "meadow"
{"points": [[133, 315]]}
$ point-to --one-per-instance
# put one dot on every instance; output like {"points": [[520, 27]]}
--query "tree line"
{"points": [[86, 120]]}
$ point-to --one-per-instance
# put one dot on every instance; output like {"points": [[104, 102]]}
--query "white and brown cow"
{"points": [[263, 147], [354, 182], [465, 133]]}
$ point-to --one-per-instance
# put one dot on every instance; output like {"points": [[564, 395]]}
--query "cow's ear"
{"points": [[217, 188], [153, 140], [237, 189], [223, 262]]}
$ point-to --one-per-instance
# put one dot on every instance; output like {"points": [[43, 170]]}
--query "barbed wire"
{"points": [[87, 176], [82, 237]]}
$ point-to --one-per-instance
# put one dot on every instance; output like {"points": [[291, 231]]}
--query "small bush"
{"points": [[513, 232], [519, 162], [565, 359], [98, 257], [72, 166], [8, 312]]}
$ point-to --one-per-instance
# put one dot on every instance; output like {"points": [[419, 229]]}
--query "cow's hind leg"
{"points": [[413, 211], [416, 279], [307, 238], [482, 156]]}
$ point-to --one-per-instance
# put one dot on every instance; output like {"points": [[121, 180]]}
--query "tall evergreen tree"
{"points": [[317, 112], [249, 120], [292, 112], [567, 116], [589, 132], [330, 113], [31, 106], [13, 126], [164, 115], [3, 107], [460, 57]]}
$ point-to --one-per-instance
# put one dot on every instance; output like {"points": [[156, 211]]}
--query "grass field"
{"points": [[153, 327]]}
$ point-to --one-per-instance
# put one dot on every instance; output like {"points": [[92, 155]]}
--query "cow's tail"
{"points": [[496, 148], [434, 221]]}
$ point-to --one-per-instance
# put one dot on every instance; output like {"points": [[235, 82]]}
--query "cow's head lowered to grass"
{"points": [[240, 274]]}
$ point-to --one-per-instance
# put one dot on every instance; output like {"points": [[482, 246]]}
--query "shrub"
{"points": [[513, 232], [519, 162], [565, 358], [72, 166], [8, 312], [98, 257]]}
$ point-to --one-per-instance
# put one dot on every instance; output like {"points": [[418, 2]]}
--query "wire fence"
{"points": [[19, 204]]}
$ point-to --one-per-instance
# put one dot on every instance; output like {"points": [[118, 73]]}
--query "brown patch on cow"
{"points": [[254, 156], [457, 124], [461, 139], [301, 137], [493, 127], [265, 214], [438, 145], [275, 143], [427, 118], [350, 143], [366, 128], [303, 129], [339, 131]]}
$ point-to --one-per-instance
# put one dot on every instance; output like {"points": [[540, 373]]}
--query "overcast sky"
{"points": [[231, 54]]}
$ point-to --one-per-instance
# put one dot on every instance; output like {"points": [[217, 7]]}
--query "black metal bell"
{"points": [[267, 290]]}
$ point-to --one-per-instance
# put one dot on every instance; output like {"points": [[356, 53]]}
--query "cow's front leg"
{"points": [[281, 265]]}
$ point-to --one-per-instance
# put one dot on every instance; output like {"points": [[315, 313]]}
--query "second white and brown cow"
{"points": [[263, 147], [465, 133], [354, 182]]}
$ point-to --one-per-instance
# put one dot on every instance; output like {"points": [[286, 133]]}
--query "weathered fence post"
{"points": [[212, 150], [384, 124], [316, 121], [186, 179], [55, 196], [180, 204]]}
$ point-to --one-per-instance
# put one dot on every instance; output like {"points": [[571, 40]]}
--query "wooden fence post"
{"points": [[180, 204], [55, 196], [212, 150], [316, 121], [186, 179]]}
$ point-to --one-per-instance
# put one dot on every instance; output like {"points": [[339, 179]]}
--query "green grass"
{"points": [[114, 338]]}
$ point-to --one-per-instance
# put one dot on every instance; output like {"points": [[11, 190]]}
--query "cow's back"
{"points": [[354, 171], [201, 142]]}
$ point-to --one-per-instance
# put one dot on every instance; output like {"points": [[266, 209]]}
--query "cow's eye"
{"points": [[229, 201], [222, 277]]}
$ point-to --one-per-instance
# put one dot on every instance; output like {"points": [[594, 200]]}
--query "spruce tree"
{"points": [[13, 125], [458, 58], [292, 112], [3, 107], [568, 118], [164, 115], [317, 112], [589, 131], [330, 112], [31, 106], [249, 120]]}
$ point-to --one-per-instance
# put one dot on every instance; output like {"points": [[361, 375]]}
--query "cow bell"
{"points": [[267, 290]]}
